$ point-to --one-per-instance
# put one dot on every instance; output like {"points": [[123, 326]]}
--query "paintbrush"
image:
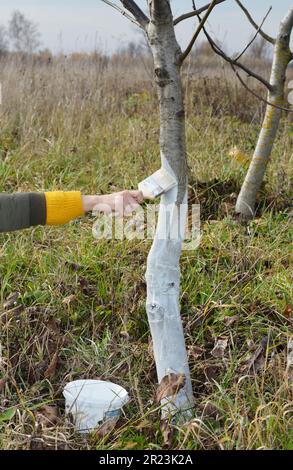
{"points": [[156, 184]]}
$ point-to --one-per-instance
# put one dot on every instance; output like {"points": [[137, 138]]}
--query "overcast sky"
{"points": [[82, 25]]}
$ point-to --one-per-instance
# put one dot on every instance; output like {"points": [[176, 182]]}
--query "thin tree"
{"points": [[246, 200], [163, 272], [245, 205], [23, 33], [3, 40]]}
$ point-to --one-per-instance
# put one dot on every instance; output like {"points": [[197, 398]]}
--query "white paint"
{"points": [[156, 184], [163, 273]]}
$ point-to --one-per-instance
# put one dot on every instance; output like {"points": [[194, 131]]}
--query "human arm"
{"points": [[23, 210]]}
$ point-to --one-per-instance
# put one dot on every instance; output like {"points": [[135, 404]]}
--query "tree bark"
{"points": [[245, 204], [163, 273]]}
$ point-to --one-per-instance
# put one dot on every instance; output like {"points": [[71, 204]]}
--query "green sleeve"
{"points": [[21, 210]]}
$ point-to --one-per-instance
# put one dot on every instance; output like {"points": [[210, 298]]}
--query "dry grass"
{"points": [[90, 123]]}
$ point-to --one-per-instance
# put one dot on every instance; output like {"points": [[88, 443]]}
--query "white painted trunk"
{"points": [[163, 273], [282, 55]]}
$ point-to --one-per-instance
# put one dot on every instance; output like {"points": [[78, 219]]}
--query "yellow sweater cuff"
{"points": [[63, 206]]}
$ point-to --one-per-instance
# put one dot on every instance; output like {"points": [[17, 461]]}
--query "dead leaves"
{"points": [[170, 386], [69, 300], [47, 416], [209, 410], [51, 370], [106, 427], [288, 311], [212, 371], [256, 361], [195, 352], [167, 433], [57, 344], [11, 301], [11, 308], [50, 339], [229, 321], [220, 347]]}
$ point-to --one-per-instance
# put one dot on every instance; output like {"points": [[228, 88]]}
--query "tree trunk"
{"points": [[282, 55], [163, 274]]}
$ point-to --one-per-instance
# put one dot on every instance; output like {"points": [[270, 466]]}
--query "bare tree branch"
{"points": [[232, 62], [194, 13], [251, 20], [220, 52], [138, 14], [138, 18], [256, 94], [249, 72], [254, 37], [200, 27], [246, 200], [123, 12], [235, 62]]}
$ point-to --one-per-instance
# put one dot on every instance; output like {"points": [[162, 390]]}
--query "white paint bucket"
{"points": [[91, 401]]}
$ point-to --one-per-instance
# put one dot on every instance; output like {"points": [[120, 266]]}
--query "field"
{"points": [[73, 307]]}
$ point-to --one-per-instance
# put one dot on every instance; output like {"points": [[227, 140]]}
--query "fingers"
{"points": [[137, 195], [129, 202], [121, 204], [102, 207], [130, 208]]}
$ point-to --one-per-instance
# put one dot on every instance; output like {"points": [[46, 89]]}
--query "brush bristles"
{"points": [[156, 184]]}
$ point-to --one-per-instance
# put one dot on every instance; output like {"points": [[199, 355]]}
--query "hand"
{"points": [[122, 203]]}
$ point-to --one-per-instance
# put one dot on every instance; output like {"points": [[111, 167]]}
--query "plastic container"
{"points": [[90, 402]]}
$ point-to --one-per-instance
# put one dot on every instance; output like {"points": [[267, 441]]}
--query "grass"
{"points": [[237, 285]]}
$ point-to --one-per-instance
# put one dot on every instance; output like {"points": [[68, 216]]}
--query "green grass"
{"points": [[238, 271]]}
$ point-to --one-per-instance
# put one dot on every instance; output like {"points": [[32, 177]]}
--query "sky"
{"points": [[85, 25]]}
